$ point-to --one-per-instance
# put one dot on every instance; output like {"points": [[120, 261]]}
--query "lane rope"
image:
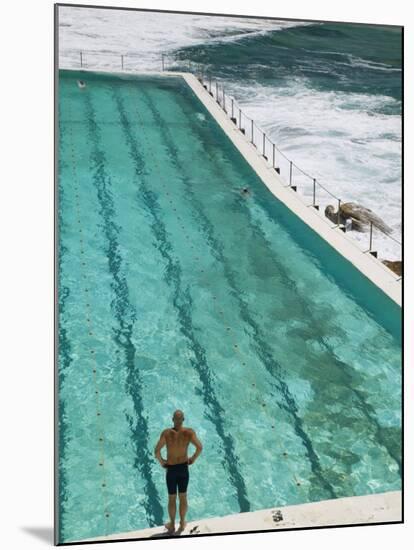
{"points": [[90, 329]]}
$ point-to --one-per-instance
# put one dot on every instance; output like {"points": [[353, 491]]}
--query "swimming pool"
{"points": [[176, 291]]}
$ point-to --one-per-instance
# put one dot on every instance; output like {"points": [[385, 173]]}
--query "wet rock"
{"points": [[394, 265], [359, 216]]}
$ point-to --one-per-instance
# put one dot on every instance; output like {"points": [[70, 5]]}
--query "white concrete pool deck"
{"points": [[366, 509], [365, 262]]}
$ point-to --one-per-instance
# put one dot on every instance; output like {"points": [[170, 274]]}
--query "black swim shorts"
{"points": [[177, 475]]}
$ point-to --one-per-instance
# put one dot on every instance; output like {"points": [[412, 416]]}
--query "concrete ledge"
{"points": [[367, 509]]}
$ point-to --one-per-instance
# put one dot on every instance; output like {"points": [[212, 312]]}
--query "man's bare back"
{"points": [[177, 444], [177, 440]]}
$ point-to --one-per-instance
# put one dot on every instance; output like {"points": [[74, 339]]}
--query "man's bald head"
{"points": [[178, 417]]}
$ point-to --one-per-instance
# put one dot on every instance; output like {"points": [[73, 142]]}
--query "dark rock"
{"points": [[394, 265]]}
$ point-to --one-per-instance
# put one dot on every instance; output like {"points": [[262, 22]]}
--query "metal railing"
{"points": [[293, 175], [290, 172], [91, 59]]}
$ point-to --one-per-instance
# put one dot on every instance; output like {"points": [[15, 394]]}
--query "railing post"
{"points": [[252, 132], [122, 62], [81, 60], [264, 145], [162, 61], [224, 101], [290, 174], [339, 213], [232, 108], [314, 191], [239, 119], [210, 83], [217, 99], [372, 252], [273, 161], [370, 236]]}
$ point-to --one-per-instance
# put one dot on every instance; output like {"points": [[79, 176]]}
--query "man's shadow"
{"points": [[166, 534], [162, 535], [193, 531]]}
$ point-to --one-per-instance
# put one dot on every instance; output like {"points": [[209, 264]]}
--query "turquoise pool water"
{"points": [[175, 291]]}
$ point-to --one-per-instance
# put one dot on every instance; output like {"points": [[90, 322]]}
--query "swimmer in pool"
{"points": [[177, 440], [81, 84], [245, 191]]}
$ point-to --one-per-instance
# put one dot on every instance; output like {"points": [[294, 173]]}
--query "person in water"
{"points": [[245, 191], [81, 84], [177, 440]]}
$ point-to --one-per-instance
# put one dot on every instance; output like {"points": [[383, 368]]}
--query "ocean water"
{"points": [[328, 95], [175, 291]]}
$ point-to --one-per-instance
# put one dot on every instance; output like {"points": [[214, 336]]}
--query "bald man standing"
{"points": [[177, 440]]}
